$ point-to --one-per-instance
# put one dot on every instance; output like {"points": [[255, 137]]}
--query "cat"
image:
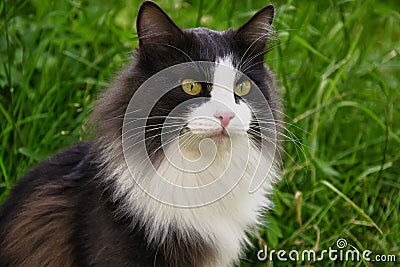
{"points": [[121, 199]]}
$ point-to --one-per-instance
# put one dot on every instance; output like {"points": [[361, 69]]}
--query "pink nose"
{"points": [[224, 117]]}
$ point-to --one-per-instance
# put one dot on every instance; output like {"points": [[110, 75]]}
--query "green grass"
{"points": [[337, 64]]}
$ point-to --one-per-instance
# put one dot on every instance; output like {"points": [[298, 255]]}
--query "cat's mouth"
{"points": [[217, 133], [223, 132]]}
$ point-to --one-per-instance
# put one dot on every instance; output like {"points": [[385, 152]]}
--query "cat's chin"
{"points": [[220, 137], [211, 133]]}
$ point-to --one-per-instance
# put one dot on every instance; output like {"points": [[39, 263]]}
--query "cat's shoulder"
{"points": [[38, 218], [60, 166], [60, 171]]}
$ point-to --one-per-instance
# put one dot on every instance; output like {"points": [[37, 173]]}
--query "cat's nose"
{"points": [[224, 117]]}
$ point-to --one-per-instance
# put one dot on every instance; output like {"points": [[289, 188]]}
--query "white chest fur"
{"points": [[223, 223]]}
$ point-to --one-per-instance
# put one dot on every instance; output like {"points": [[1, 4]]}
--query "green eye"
{"points": [[191, 87], [243, 88]]}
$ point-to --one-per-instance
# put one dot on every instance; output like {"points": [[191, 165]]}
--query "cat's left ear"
{"points": [[154, 26], [258, 28]]}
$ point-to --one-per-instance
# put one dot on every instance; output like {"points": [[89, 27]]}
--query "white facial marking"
{"points": [[221, 112], [224, 80]]}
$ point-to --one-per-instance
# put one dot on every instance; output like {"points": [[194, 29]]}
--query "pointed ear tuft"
{"points": [[259, 27], [155, 26]]}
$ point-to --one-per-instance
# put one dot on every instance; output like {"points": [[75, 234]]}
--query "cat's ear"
{"points": [[258, 28], [154, 26]]}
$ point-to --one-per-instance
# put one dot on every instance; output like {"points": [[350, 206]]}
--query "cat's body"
{"points": [[87, 206], [67, 219]]}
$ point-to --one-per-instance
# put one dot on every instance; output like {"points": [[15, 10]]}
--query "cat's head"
{"points": [[187, 86], [217, 85]]}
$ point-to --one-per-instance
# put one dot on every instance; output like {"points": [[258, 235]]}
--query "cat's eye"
{"points": [[191, 87], [243, 88]]}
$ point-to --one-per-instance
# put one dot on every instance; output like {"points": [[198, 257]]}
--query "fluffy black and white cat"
{"points": [[131, 198]]}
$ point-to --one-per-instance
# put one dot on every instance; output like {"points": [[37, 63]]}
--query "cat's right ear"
{"points": [[258, 29], [154, 26]]}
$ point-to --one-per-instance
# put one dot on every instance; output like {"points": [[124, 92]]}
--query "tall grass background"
{"points": [[338, 67]]}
